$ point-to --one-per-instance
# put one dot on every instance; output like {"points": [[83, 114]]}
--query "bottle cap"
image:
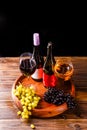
{"points": [[49, 44], [36, 39]]}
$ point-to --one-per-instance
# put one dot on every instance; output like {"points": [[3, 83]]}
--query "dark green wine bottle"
{"points": [[49, 79], [38, 74]]}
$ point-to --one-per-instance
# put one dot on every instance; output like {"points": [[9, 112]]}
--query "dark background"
{"points": [[17, 28]]}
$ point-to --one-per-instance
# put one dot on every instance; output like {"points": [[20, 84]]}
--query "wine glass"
{"points": [[27, 64], [63, 68]]}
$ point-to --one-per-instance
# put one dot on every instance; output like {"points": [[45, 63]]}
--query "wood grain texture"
{"points": [[9, 120]]}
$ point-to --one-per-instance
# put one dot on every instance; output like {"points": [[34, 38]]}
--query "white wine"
{"points": [[64, 68]]}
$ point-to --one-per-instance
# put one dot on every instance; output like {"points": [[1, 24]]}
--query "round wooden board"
{"points": [[44, 109]]}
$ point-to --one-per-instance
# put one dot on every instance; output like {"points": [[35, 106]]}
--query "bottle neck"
{"points": [[49, 52], [50, 56], [36, 51]]}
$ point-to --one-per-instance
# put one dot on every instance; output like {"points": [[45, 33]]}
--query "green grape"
{"points": [[29, 108], [32, 126], [19, 112], [28, 99]]}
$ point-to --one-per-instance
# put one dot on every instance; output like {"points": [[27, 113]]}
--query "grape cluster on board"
{"points": [[28, 99], [57, 96]]}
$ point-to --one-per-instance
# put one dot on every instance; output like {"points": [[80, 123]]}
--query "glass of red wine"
{"points": [[27, 64]]}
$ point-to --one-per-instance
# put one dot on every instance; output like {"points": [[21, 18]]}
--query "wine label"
{"points": [[38, 74], [49, 80]]}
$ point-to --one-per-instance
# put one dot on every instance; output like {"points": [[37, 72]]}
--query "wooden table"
{"points": [[9, 120]]}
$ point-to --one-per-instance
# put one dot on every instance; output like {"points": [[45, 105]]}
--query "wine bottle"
{"points": [[49, 78], [38, 74]]}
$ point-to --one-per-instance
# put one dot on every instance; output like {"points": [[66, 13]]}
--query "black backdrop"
{"points": [[16, 36]]}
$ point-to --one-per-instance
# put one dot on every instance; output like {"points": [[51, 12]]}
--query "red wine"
{"points": [[49, 79], [27, 67], [38, 74]]}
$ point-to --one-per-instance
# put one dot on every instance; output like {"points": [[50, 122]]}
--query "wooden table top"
{"points": [[68, 120]]}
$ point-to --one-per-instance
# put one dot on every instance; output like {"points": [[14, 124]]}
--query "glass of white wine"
{"points": [[63, 68]]}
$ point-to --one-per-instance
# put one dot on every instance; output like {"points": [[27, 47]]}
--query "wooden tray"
{"points": [[44, 109]]}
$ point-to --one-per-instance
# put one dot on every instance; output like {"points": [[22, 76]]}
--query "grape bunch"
{"points": [[71, 101], [57, 96], [28, 99], [54, 96]]}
